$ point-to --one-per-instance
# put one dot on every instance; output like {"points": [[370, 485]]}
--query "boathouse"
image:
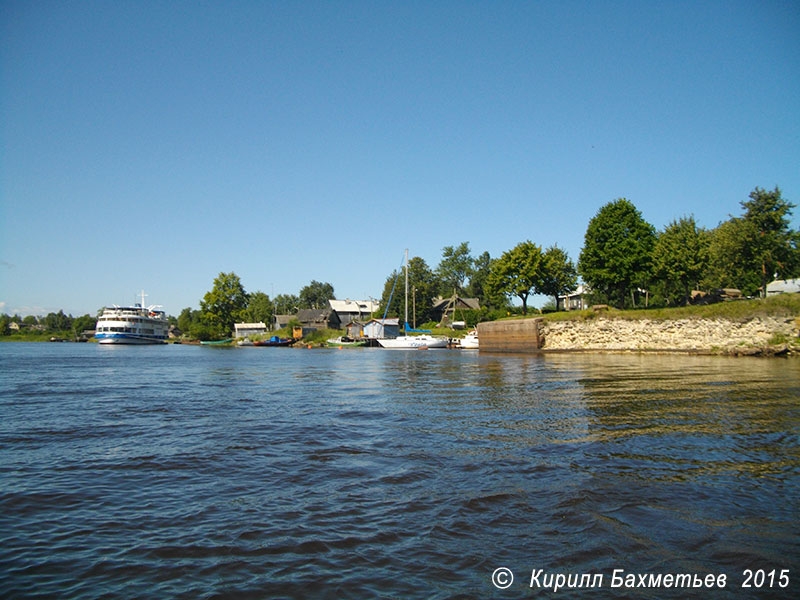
{"points": [[382, 328]]}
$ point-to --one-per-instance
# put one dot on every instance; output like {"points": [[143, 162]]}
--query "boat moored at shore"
{"points": [[135, 324]]}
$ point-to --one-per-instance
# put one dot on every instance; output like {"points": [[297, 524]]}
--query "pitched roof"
{"points": [[249, 325], [468, 303], [313, 315], [390, 322], [354, 306], [783, 286]]}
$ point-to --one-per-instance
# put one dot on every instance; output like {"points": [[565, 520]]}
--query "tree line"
{"points": [[51, 323], [623, 255], [623, 258]]}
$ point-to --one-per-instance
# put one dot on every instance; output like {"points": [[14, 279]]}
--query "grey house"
{"points": [[318, 318]]}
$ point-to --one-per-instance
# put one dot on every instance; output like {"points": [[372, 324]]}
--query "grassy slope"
{"points": [[784, 305]]}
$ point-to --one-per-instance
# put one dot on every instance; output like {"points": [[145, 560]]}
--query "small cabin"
{"points": [[243, 330], [355, 329], [577, 300], [378, 329]]}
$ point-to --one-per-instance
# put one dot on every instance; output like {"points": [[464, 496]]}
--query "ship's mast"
{"points": [[143, 295], [405, 324]]}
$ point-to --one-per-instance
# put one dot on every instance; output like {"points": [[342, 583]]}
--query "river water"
{"points": [[199, 472]]}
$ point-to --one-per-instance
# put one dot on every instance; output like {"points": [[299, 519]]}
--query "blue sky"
{"points": [[155, 144]]}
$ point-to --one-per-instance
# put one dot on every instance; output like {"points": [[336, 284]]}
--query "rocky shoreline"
{"points": [[758, 335]]}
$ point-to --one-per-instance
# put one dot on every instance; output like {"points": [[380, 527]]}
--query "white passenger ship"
{"points": [[135, 324]]}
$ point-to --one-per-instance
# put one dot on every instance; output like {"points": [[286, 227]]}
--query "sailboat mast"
{"points": [[405, 325]]}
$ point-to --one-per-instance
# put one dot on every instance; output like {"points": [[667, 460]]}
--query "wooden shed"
{"points": [[381, 328], [355, 329]]}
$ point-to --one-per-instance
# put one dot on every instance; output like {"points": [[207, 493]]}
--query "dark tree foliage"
{"points": [[58, 321], [773, 243], [259, 309], [518, 272], [479, 284], [558, 274], [316, 295], [454, 269], [680, 257], [286, 304], [616, 255], [223, 305]]}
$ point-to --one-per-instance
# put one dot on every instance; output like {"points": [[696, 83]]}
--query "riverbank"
{"points": [[753, 327]]}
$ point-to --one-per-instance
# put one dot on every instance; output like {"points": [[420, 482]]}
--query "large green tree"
{"points": [[730, 258], [680, 258], [286, 304], [558, 274], [187, 318], [83, 323], [260, 309], [617, 249], [518, 272], [746, 252], [454, 269], [224, 305], [316, 295], [479, 284], [772, 242]]}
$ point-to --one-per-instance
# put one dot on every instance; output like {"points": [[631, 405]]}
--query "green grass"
{"points": [[320, 336], [783, 305], [39, 336]]}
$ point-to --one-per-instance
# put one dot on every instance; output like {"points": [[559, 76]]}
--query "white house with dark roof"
{"points": [[783, 286], [353, 310]]}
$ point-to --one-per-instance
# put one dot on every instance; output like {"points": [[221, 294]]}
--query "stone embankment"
{"points": [[757, 335]]}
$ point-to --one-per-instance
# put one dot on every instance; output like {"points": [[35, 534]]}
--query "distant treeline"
{"points": [[52, 323]]}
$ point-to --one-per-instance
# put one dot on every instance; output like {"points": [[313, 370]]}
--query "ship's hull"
{"points": [[126, 338], [413, 342]]}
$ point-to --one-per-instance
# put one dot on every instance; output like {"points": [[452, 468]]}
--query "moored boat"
{"points": [[411, 341], [135, 324], [414, 342], [275, 341], [470, 341], [343, 340]]}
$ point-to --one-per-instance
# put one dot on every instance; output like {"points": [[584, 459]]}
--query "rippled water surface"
{"points": [[196, 472]]}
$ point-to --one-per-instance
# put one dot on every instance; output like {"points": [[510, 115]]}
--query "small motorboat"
{"points": [[343, 340], [276, 341], [470, 341]]}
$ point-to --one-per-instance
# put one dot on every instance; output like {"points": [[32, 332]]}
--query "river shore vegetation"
{"points": [[625, 263]]}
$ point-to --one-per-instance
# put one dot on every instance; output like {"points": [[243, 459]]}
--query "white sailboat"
{"points": [[413, 341]]}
